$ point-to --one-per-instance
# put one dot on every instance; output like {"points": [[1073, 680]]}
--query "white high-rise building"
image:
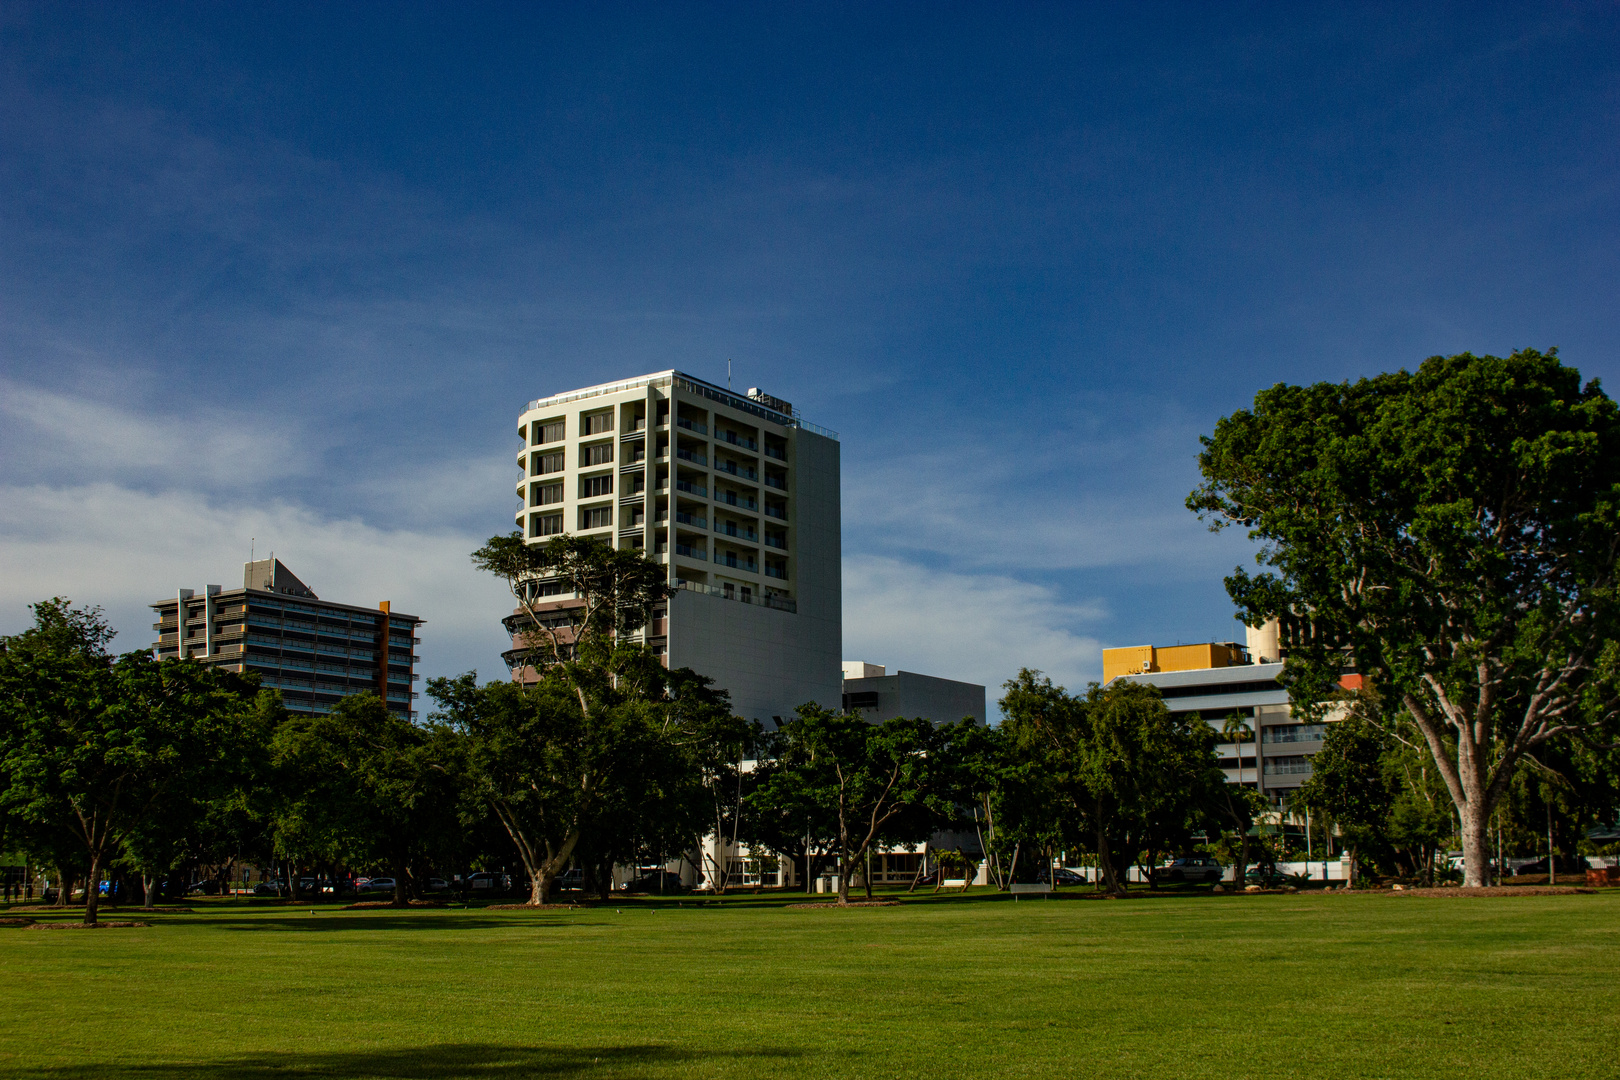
{"points": [[735, 494]]}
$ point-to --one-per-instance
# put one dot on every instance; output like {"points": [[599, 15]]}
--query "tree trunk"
{"points": [[1240, 872], [64, 887], [1105, 862], [148, 889], [92, 890], [866, 876], [402, 890], [922, 860], [843, 875], [1476, 845], [292, 882]]}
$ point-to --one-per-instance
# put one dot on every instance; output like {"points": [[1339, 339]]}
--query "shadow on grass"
{"points": [[333, 921], [473, 1061]]}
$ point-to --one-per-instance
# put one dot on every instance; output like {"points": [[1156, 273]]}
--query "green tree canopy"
{"points": [[1451, 532], [868, 783], [106, 748]]}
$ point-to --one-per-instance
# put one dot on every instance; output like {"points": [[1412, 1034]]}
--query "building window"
{"points": [[1288, 766], [545, 524], [546, 431], [596, 517], [541, 464], [592, 486], [1290, 733], [596, 423], [599, 454], [545, 494]]}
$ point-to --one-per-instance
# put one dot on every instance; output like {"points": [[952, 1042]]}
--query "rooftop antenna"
{"points": [[728, 373]]}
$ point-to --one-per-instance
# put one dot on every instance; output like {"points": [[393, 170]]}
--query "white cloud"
{"points": [[975, 627], [123, 549], [88, 436]]}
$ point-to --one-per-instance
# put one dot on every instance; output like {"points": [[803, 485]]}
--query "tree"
{"points": [[103, 746], [1125, 775], [1453, 533], [1348, 783], [780, 812], [555, 776], [875, 782], [371, 785]]}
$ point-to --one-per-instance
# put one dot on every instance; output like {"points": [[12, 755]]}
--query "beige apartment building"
{"points": [[736, 494]]}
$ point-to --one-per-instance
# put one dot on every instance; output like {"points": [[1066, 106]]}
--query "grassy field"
{"points": [[1194, 986]]}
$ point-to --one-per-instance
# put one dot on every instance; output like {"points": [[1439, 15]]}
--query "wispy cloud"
{"points": [[974, 627], [55, 433], [123, 549]]}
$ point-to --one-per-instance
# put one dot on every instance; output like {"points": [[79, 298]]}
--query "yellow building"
{"points": [[1150, 659]]}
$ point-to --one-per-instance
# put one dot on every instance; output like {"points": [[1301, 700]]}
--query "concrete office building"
{"points": [[737, 495], [314, 651], [877, 696], [1220, 679]]}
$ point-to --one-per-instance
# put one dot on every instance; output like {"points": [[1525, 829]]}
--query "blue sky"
{"points": [[291, 274]]}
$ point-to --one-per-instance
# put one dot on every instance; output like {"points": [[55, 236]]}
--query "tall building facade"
{"points": [[314, 651], [736, 495]]}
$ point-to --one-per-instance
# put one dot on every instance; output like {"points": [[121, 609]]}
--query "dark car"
{"points": [[205, 888], [270, 888], [663, 881], [1267, 876], [1059, 877], [1193, 868], [571, 879]]}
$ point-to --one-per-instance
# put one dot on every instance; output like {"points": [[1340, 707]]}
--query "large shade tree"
{"points": [[105, 747], [871, 784], [1450, 532]]}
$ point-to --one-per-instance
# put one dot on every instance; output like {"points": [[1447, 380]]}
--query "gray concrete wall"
{"points": [[771, 661], [818, 578], [905, 693]]}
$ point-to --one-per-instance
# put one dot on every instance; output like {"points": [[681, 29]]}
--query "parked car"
{"points": [[659, 881], [270, 888], [437, 885], [1059, 876], [487, 884], [209, 887], [1194, 868], [571, 879], [1267, 876], [378, 885]]}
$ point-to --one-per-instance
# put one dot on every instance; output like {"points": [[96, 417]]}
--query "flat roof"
{"points": [[286, 599], [708, 389]]}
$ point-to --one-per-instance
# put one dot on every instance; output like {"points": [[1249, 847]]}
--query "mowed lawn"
{"points": [[1192, 986]]}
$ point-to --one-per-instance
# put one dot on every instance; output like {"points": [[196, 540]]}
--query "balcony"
{"points": [[690, 552], [691, 488], [776, 452], [777, 603], [691, 519], [694, 458], [775, 571], [730, 498], [776, 541], [776, 511], [779, 482], [732, 530], [729, 558], [731, 437], [731, 469], [688, 425]]}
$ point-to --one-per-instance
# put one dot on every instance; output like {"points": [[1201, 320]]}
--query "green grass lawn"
{"points": [[1186, 986]]}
